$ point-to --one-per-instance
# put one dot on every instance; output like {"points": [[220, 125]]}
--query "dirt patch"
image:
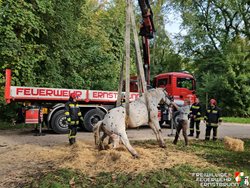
{"points": [[83, 156]]}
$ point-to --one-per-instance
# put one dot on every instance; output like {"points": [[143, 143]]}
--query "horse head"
{"points": [[165, 98]]}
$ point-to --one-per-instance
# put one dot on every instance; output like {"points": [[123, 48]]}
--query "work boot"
{"points": [[191, 135], [197, 136], [72, 141]]}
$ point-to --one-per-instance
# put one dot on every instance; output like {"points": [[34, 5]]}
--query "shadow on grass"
{"points": [[215, 153]]}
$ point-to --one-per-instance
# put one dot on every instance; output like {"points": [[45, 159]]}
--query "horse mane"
{"points": [[155, 91]]}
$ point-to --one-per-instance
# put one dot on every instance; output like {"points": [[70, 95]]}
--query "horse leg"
{"points": [[101, 145], [125, 141], [115, 139], [157, 130], [97, 129]]}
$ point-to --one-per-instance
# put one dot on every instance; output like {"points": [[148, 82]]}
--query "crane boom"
{"points": [[147, 30]]}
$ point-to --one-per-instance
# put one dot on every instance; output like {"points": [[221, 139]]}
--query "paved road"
{"points": [[226, 129], [26, 136]]}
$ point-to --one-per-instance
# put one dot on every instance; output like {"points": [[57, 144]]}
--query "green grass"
{"points": [[221, 160], [236, 120], [175, 177], [7, 125], [215, 153]]}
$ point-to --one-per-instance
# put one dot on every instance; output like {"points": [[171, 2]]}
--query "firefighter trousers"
{"points": [[210, 127], [195, 124], [183, 125], [72, 132]]}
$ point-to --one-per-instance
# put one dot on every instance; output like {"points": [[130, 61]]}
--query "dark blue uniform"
{"points": [[212, 118], [195, 119], [73, 115]]}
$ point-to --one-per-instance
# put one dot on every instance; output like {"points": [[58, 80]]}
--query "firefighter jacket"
{"points": [[213, 115], [195, 111], [72, 111]]}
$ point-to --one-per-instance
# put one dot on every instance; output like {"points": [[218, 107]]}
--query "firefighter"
{"points": [[195, 118], [73, 115], [183, 121], [212, 119]]}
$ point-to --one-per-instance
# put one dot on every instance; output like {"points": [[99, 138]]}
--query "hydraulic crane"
{"points": [[147, 30]]}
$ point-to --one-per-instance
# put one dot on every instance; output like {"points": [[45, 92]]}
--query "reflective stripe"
{"points": [[71, 105], [68, 119], [191, 129], [214, 111], [71, 136], [195, 107], [198, 113], [69, 133], [66, 113], [77, 122], [79, 113], [214, 124], [72, 122]]}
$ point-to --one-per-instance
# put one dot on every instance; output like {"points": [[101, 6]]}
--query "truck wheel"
{"points": [[91, 118], [58, 123]]}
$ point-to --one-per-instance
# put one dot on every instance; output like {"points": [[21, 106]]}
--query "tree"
{"points": [[163, 55], [217, 41]]}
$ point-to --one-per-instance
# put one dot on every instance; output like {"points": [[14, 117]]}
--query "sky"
{"points": [[173, 26]]}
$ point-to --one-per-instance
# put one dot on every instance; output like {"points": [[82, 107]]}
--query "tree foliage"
{"points": [[217, 41], [80, 44]]}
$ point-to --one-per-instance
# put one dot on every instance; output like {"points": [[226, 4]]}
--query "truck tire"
{"points": [[58, 122], [91, 118]]}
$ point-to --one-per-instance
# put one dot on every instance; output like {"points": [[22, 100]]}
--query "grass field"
{"points": [[7, 125], [236, 120], [221, 163]]}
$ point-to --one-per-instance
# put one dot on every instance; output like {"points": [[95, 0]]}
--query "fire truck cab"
{"points": [[179, 85]]}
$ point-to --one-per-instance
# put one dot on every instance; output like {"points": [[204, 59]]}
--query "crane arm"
{"points": [[147, 26], [147, 30]]}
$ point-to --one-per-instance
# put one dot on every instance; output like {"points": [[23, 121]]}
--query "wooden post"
{"points": [[138, 53], [139, 82], [127, 57], [119, 95]]}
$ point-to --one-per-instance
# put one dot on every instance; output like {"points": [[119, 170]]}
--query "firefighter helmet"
{"points": [[73, 95], [213, 101]]}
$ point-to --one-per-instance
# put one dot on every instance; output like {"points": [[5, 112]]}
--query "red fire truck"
{"points": [[47, 104]]}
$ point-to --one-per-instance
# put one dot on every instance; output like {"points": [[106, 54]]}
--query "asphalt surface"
{"points": [[27, 136]]}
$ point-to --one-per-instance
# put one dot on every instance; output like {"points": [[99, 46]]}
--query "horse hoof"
{"points": [[136, 156], [163, 145]]}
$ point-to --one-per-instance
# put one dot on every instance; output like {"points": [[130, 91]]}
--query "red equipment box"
{"points": [[32, 116]]}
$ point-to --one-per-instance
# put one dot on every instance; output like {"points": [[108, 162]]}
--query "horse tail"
{"points": [[96, 130]]}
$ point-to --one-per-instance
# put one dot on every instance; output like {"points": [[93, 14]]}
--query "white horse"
{"points": [[141, 112]]}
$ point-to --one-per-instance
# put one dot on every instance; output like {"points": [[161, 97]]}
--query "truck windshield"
{"points": [[162, 82], [185, 83]]}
